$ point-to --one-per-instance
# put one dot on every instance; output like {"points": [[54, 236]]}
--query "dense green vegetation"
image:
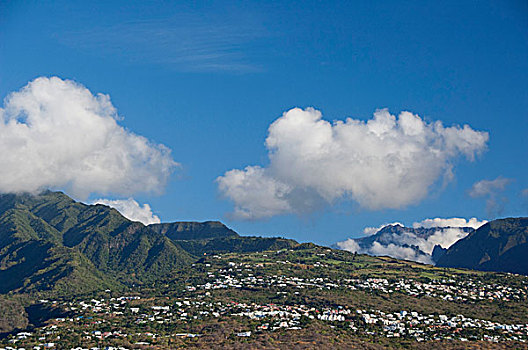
{"points": [[49, 242], [14, 315]]}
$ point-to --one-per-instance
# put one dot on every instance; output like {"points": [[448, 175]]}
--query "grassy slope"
{"points": [[343, 265]]}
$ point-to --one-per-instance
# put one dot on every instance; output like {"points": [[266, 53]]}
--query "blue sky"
{"points": [[207, 79]]}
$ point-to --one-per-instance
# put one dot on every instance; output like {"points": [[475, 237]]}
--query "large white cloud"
{"points": [[385, 162], [55, 133], [132, 210], [260, 193]]}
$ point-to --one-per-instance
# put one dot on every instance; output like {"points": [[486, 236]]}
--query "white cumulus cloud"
{"points": [[450, 222], [132, 210], [264, 197], [385, 162], [55, 133]]}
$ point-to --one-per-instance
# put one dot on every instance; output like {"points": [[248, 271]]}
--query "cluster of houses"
{"points": [[143, 320], [466, 289], [277, 316], [438, 327], [269, 317], [461, 289]]}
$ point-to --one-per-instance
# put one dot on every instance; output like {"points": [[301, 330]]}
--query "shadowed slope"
{"points": [[500, 245]]}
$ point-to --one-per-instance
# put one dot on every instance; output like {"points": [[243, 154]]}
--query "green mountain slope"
{"points": [[500, 245], [33, 258], [49, 241], [53, 247], [212, 237]]}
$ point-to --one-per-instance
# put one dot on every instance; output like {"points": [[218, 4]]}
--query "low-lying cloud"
{"points": [[396, 251], [414, 245], [56, 134], [385, 162], [368, 231], [450, 222], [428, 223], [132, 210]]}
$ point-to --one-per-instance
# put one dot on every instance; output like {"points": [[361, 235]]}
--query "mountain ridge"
{"points": [[189, 230], [500, 245]]}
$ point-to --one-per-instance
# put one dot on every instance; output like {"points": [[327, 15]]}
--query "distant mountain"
{"points": [[236, 244], [499, 245], [193, 230], [212, 237], [49, 242], [392, 234], [419, 244]]}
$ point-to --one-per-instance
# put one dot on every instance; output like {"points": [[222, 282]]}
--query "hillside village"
{"points": [[405, 324], [221, 287], [460, 289]]}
